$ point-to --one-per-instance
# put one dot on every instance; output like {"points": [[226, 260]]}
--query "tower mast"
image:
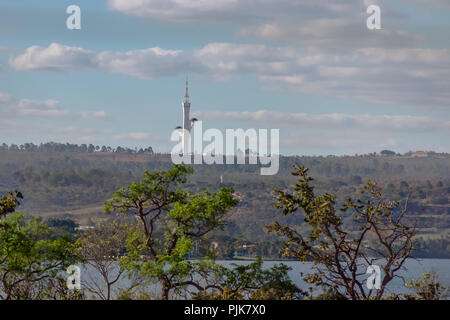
{"points": [[186, 105], [186, 96]]}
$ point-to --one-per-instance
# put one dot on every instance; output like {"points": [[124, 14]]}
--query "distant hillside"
{"points": [[75, 184]]}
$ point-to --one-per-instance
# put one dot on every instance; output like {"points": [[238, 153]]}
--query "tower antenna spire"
{"points": [[186, 97]]}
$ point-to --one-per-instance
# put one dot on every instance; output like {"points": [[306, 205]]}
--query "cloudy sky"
{"points": [[310, 68]]}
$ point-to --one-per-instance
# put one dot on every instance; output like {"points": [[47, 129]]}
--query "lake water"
{"points": [[414, 269]]}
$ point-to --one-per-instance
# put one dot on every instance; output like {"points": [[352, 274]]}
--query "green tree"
{"points": [[387, 153], [31, 264], [427, 288], [171, 220], [60, 227], [341, 256], [9, 202], [248, 282]]}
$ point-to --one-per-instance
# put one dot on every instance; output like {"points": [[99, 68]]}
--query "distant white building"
{"points": [[419, 154], [84, 228]]}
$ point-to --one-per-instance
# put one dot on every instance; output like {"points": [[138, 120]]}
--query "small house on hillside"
{"points": [[419, 154]]}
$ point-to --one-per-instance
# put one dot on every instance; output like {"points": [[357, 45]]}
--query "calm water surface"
{"points": [[414, 269]]}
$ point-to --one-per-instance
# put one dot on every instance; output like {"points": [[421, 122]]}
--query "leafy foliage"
{"points": [[60, 181], [341, 256], [171, 218], [249, 281], [9, 202], [427, 288], [30, 264]]}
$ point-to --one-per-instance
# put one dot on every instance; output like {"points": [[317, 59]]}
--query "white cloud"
{"points": [[332, 121], [407, 77], [101, 114], [261, 11], [140, 136], [45, 109], [145, 64], [5, 98], [339, 33], [428, 3], [340, 24], [231, 10], [340, 133], [54, 58]]}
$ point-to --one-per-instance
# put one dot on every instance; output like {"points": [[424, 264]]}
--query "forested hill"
{"points": [[74, 181]]}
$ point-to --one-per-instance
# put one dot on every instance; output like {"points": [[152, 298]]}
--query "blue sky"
{"points": [[312, 70]]}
